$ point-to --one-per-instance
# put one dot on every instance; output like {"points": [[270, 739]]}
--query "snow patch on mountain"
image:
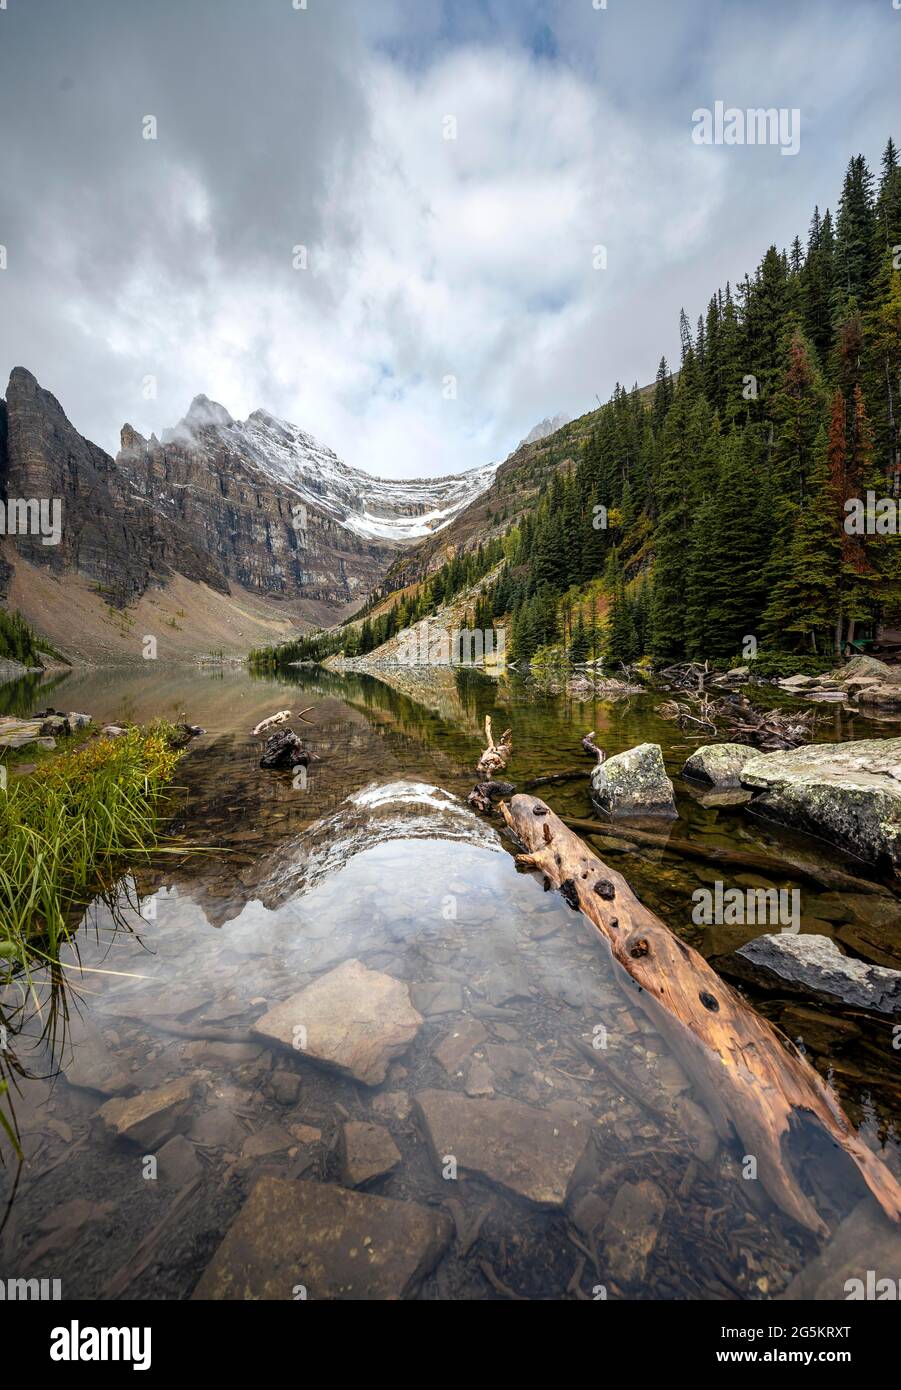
{"points": [[378, 509]]}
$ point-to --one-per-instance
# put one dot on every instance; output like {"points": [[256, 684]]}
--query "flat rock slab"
{"points": [[634, 783], [17, 733], [352, 1019], [150, 1117], [366, 1151], [531, 1152], [336, 1244], [813, 965], [847, 793]]}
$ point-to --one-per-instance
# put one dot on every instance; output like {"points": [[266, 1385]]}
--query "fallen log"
{"points": [[752, 1080], [833, 879]]}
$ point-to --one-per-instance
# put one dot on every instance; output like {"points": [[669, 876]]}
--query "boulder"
{"points": [[882, 696], [718, 764], [868, 668], [847, 793], [813, 965], [634, 783], [314, 1240], [352, 1019], [532, 1153], [366, 1151]]}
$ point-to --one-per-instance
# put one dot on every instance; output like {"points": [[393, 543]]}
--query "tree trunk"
{"points": [[752, 1080]]}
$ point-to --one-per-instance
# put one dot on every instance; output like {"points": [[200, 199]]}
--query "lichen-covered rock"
{"points": [[718, 764], [813, 965], [846, 793], [634, 783]]}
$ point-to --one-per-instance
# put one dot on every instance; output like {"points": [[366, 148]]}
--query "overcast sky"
{"points": [[427, 257]]}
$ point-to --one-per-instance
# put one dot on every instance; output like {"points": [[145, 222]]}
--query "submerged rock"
{"points": [[353, 1019], [631, 1230], [366, 1152], [718, 764], [861, 1261], [150, 1117], [533, 1153], [813, 965], [326, 1241], [634, 783], [846, 793]]}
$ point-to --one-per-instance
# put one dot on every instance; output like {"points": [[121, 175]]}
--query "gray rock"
{"points": [[531, 1152], [366, 1152], [327, 1241], [813, 965], [634, 783], [178, 1162], [437, 998], [148, 1118], [352, 1019], [846, 793], [718, 764], [879, 697], [218, 1129], [868, 668]]}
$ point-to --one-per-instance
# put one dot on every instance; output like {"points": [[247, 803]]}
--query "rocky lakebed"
{"points": [[345, 1047]]}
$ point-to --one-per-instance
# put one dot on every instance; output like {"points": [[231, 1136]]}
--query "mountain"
{"points": [[543, 429], [247, 510]]}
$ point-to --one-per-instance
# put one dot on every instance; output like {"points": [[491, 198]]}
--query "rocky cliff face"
{"points": [[257, 504]]}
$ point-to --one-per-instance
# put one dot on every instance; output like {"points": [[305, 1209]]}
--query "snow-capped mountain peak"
{"points": [[282, 455]]}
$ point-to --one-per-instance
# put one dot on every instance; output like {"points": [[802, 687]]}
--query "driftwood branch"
{"points": [[496, 755], [590, 746], [753, 1081], [494, 759], [769, 730]]}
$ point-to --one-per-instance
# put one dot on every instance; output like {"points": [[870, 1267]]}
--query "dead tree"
{"points": [[753, 1081]]}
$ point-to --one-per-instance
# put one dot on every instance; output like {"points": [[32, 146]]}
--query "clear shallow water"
{"points": [[378, 859]]}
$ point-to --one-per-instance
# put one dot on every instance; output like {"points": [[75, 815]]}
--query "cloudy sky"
{"points": [[450, 167]]}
